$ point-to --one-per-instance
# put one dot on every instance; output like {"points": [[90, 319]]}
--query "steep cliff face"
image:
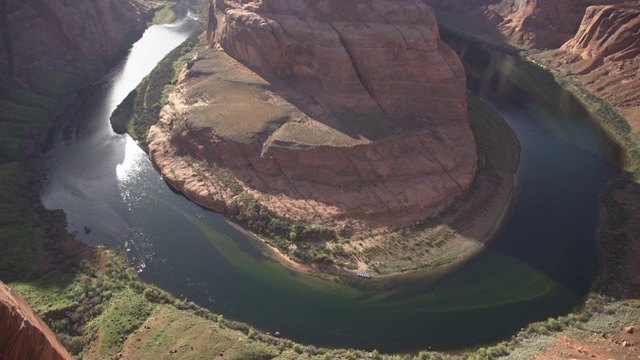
{"points": [[50, 34], [604, 54], [608, 31], [346, 54], [528, 23], [23, 335], [542, 24], [353, 111]]}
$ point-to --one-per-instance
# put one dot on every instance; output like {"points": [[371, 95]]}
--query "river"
{"points": [[540, 264]]}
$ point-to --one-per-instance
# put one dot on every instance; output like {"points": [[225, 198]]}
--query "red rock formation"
{"points": [[48, 34], [356, 111], [611, 32], [528, 23], [605, 56], [23, 335], [342, 63]]}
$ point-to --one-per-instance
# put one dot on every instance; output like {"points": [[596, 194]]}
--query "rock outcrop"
{"points": [[332, 112], [527, 23], [611, 32], [46, 35], [23, 335], [604, 54]]}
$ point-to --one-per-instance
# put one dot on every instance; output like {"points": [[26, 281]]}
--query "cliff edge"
{"points": [[604, 55], [23, 335], [535, 24], [340, 113], [50, 35]]}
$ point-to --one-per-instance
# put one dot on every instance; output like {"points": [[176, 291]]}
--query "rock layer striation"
{"points": [[527, 23], [604, 54], [331, 112]]}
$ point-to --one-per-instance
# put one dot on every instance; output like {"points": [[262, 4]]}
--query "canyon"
{"points": [[295, 132], [45, 35], [48, 51], [350, 117], [604, 55], [535, 24], [594, 42]]}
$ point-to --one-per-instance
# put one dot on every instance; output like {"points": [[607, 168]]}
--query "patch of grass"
{"points": [[127, 310], [163, 12], [68, 301], [193, 337], [51, 292]]}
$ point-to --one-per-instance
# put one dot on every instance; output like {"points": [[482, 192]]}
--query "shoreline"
{"points": [[469, 223], [281, 258], [506, 212], [427, 246]]}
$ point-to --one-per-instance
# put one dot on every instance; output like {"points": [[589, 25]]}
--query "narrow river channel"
{"points": [[540, 264]]}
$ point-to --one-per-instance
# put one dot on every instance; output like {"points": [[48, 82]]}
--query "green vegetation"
{"points": [[163, 12], [495, 140], [103, 309], [609, 117], [141, 109], [619, 231], [94, 301], [308, 240], [126, 312]]}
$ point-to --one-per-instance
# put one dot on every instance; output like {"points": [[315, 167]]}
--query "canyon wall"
{"points": [[49, 34], [609, 32], [593, 41], [328, 112], [528, 23], [49, 49], [604, 55], [23, 335]]}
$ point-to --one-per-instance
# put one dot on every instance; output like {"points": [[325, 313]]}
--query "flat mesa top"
{"points": [[237, 103]]}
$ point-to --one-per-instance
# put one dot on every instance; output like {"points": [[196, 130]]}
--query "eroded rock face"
{"points": [[23, 335], [605, 56], [608, 31], [49, 34], [528, 23], [362, 56], [353, 111], [542, 24]]}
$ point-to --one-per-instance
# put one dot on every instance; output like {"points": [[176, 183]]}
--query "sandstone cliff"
{"points": [[49, 35], [609, 32], [331, 112], [23, 335], [604, 54], [527, 23]]}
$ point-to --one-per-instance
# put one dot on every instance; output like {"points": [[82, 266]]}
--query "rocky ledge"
{"points": [[350, 114]]}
